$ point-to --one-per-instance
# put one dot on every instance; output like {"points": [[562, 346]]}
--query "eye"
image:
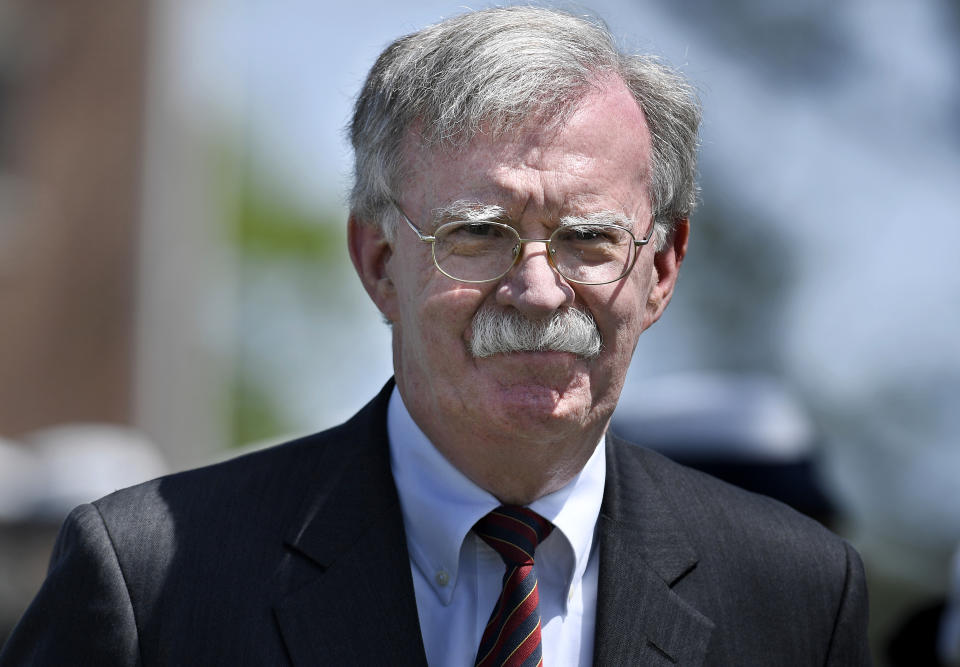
{"points": [[472, 232], [481, 229], [586, 233], [474, 238], [589, 234]]}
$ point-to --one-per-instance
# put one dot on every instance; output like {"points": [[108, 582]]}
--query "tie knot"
{"points": [[514, 532]]}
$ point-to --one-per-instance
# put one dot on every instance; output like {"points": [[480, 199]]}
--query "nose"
{"points": [[533, 286]]}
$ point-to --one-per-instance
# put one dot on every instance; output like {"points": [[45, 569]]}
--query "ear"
{"points": [[666, 265], [370, 252]]}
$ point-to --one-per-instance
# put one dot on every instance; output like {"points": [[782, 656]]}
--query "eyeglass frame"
{"points": [[432, 240]]}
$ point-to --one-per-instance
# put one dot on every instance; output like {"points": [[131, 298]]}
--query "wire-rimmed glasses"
{"points": [[586, 253]]}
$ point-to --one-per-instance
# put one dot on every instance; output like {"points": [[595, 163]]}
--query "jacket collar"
{"points": [[353, 599], [644, 553]]}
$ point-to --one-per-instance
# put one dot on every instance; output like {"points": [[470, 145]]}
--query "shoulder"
{"points": [[709, 507], [232, 518], [220, 492], [202, 553], [264, 484], [757, 547], [765, 574]]}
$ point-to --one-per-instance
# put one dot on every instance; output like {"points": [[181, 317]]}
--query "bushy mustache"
{"points": [[505, 331]]}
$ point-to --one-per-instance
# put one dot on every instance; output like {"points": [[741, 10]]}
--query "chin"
{"points": [[549, 392]]}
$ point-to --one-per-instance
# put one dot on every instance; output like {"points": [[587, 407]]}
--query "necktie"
{"points": [[512, 635]]}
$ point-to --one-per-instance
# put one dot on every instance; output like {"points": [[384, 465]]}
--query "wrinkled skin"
{"points": [[520, 425]]}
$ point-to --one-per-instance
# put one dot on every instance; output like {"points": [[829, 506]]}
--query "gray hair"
{"points": [[497, 331], [503, 68]]}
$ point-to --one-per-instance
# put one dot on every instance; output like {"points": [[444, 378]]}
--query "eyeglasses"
{"points": [[585, 253]]}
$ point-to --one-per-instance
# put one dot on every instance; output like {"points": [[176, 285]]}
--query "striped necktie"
{"points": [[512, 635]]}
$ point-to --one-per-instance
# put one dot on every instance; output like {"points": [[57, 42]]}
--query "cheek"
{"points": [[443, 317], [644, 302], [621, 315], [624, 338]]}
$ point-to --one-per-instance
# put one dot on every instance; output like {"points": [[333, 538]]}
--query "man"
{"points": [[519, 216]]}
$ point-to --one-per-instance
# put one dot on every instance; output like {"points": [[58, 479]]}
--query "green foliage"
{"points": [[274, 236], [269, 225], [255, 417]]}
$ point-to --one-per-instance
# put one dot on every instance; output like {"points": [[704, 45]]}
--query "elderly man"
{"points": [[519, 216]]}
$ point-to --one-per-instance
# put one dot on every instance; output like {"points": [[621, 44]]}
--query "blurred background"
{"points": [[174, 283]]}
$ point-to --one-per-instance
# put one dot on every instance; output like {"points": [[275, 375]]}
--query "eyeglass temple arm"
{"points": [[646, 239], [426, 238]]}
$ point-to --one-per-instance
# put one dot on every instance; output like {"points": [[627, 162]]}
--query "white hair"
{"points": [[504, 331], [504, 68]]}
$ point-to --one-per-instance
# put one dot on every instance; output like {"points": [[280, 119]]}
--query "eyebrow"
{"points": [[471, 211], [474, 211], [598, 217]]}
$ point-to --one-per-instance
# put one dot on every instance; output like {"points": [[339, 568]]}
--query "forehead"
{"points": [[598, 160]]}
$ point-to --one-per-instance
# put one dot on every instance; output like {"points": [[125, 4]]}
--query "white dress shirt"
{"points": [[457, 577]]}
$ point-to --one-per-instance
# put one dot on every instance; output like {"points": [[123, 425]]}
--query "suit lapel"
{"points": [[353, 599], [644, 552]]}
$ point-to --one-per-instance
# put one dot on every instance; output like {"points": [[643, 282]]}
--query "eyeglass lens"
{"points": [[481, 251]]}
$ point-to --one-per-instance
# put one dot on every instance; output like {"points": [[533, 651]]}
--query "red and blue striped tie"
{"points": [[512, 635]]}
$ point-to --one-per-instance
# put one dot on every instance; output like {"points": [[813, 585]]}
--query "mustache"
{"points": [[502, 332]]}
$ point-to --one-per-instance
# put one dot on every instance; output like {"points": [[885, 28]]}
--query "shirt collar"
{"points": [[426, 481]]}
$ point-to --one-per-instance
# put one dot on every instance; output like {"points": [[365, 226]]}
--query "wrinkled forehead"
{"points": [[600, 155]]}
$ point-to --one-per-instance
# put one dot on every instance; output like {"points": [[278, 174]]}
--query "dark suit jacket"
{"points": [[296, 554]]}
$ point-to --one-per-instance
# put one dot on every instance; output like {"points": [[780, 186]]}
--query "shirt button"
{"points": [[442, 578]]}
